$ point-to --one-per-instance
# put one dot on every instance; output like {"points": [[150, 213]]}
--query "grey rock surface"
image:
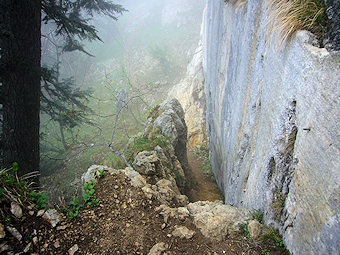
{"points": [[273, 124], [172, 123], [92, 173], [167, 120]]}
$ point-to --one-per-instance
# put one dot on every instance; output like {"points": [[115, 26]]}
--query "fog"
{"points": [[139, 58]]}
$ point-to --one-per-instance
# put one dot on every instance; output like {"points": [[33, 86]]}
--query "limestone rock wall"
{"points": [[190, 93], [273, 124]]}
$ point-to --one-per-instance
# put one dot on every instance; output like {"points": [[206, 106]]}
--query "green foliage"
{"points": [[101, 173], [245, 231], [258, 215], [88, 195], [273, 236], [202, 152], [13, 187], [39, 198], [89, 199], [73, 19], [145, 144], [75, 206], [265, 252]]}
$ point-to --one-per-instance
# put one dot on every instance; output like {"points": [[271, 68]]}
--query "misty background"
{"points": [[116, 83]]}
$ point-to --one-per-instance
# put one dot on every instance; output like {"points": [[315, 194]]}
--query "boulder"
{"points": [[215, 219]]}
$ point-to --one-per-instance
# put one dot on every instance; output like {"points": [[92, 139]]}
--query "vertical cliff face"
{"points": [[191, 95], [273, 124]]}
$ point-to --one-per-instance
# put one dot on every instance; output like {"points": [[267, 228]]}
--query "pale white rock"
{"points": [[40, 213], [14, 232], [92, 173], [27, 248], [215, 219], [52, 216], [16, 210], [158, 249], [73, 249], [183, 232], [35, 240]]}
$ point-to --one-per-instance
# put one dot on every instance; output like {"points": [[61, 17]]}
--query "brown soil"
{"points": [[203, 187], [125, 222]]}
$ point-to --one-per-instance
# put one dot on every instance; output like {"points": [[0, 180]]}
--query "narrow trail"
{"points": [[203, 188]]}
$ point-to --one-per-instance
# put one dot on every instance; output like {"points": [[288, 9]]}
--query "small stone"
{"points": [[115, 196], [163, 226], [183, 232], [16, 210], [117, 201], [2, 231], [30, 207], [45, 245], [73, 249], [52, 216], [255, 229], [56, 244], [61, 227], [157, 249], [31, 213], [35, 240], [14, 232], [27, 248], [40, 213], [34, 232]]}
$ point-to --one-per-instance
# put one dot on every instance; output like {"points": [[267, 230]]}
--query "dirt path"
{"points": [[203, 188]]}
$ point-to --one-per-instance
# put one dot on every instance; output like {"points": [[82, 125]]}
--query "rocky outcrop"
{"points": [[168, 121], [190, 93], [272, 124]]}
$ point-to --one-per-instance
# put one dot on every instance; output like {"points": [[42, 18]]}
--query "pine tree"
{"points": [[20, 70]]}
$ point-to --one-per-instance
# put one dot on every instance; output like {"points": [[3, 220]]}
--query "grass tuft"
{"points": [[288, 16]]}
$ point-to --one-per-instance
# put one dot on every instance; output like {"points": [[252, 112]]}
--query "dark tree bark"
{"points": [[20, 23]]}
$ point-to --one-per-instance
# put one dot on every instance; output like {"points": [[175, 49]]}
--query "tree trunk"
{"points": [[20, 78]]}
